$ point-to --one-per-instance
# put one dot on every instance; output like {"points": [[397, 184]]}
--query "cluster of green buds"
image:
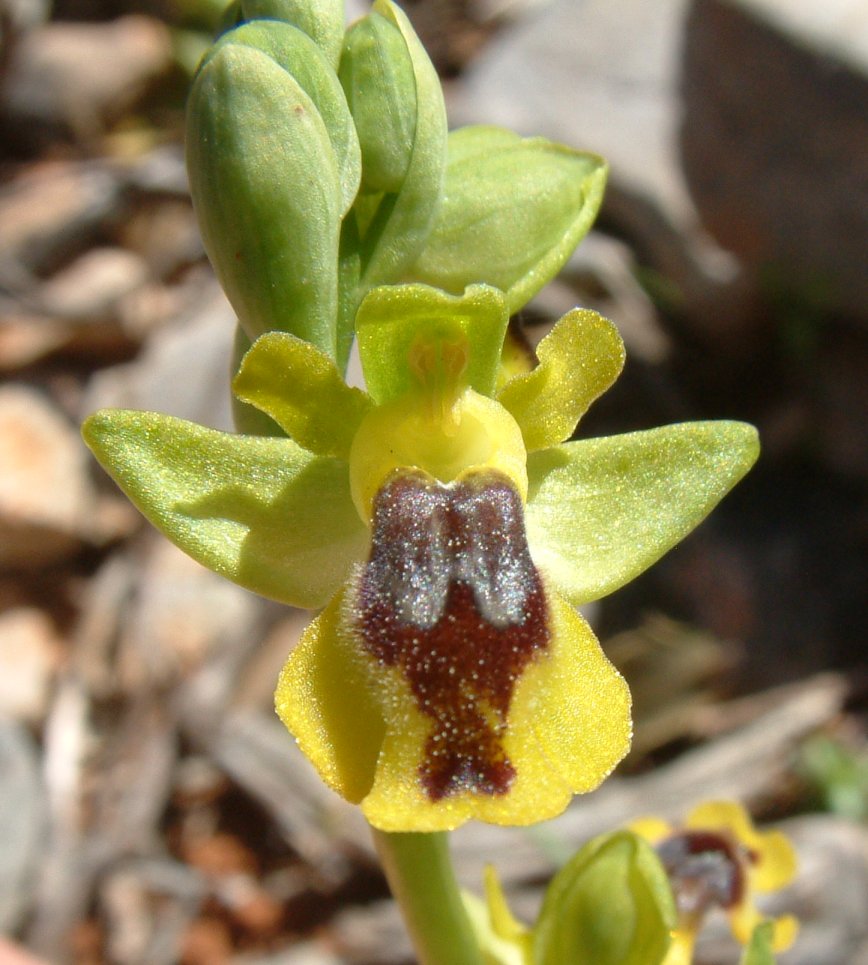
{"points": [[320, 168], [439, 518]]}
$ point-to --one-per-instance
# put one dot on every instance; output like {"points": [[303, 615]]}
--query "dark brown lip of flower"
{"points": [[451, 597], [706, 869]]}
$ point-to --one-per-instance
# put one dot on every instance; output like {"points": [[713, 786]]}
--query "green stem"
{"points": [[419, 872]]}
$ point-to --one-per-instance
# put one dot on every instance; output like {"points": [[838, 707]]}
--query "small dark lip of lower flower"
{"points": [[451, 597], [706, 869]]}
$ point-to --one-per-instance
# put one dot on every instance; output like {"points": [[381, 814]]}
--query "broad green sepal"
{"points": [[760, 951], [396, 323], [513, 211], [302, 390], [578, 360], [377, 76], [398, 230], [270, 227], [611, 904], [600, 511], [294, 51], [262, 512], [321, 20]]}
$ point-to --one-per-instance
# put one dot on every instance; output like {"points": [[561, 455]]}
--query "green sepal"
{"points": [[578, 361], [513, 211], [393, 322], [397, 233], [611, 904], [760, 949], [376, 73], [302, 390], [600, 511], [254, 139], [294, 51], [262, 512], [321, 20]]}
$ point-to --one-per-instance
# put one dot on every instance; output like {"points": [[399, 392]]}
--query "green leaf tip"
{"points": [[261, 511]]}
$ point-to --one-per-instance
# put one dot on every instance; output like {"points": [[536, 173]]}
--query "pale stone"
{"points": [[46, 499], [29, 654]]}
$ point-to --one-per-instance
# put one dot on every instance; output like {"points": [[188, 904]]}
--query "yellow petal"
{"points": [[744, 918], [681, 950], [651, 829], [772, 859], [723, 816], [578, 360], [504, 923], [786, 930], [326, 698], [777, 863]]}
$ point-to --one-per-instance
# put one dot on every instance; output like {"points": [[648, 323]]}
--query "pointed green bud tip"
{"points": [[611, 904]]}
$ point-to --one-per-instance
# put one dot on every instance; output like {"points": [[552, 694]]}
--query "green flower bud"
{"points": [[394, 224], [513, 211], [321, 20], [294, 51], [267, 192], [611, 904], [377, 75]]}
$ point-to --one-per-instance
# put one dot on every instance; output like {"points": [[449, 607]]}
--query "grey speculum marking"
{"points": [[451, 596]]}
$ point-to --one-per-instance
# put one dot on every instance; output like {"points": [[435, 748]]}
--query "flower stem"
{"points": [[419, 872]]}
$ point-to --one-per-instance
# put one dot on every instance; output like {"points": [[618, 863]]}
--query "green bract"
{"points": [[760, 951], [513, 211]]}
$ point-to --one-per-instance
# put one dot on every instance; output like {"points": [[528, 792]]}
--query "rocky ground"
{"points": [[152, 810]]}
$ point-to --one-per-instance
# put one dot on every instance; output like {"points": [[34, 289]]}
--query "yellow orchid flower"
{"points": [[449, 532], [718, 859]]}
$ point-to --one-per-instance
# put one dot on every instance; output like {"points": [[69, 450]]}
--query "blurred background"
{"points": [[152, 809]]}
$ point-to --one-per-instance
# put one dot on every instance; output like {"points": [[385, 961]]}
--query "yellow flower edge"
{"points": [[568, 726]]}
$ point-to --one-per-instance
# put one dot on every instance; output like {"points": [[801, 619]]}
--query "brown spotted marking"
{"points": [[450, 595]]}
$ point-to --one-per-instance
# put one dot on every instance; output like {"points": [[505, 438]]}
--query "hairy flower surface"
{"points": [[449, 531], [718, 859]]}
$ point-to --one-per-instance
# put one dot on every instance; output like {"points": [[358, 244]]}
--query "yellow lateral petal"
{"points": [[578, 360], [724, 816], [777, 862], [651, 829]]}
